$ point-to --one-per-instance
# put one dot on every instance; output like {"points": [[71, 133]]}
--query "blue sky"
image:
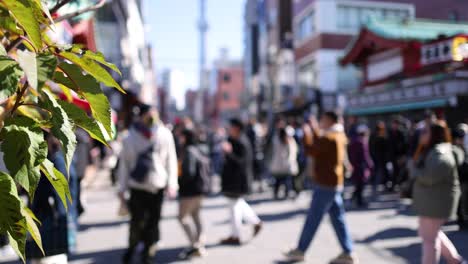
{"points": [[174, 36]]}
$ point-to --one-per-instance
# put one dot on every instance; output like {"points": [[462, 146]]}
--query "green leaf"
{"points": [[3, 51], [74, 48], [25, 149], [42, 4], [81, 119], [11, 219], [24, 13], [10, 74], [62, 127], [11, 204], [17, 239], [32, 113], [9, 23], [31, 220], [46, 65], [27, 61], [58, 181], [87, 87], [99, 57], [93, 68]]}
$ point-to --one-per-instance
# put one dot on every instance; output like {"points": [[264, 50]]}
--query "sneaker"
{"points": [[193, 252], [295, 255], [257, 229], [231, 241], [147, 256], [184, 254], [154, 249], [345, 259], [200, 252]]}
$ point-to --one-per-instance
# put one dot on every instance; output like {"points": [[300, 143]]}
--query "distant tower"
{"points": [[203, 29]]}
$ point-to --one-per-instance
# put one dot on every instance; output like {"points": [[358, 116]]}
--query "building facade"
{"points": [[251, 57], [229, 91], [410, 66], [324, 28], [275, 26], [120, 35]]}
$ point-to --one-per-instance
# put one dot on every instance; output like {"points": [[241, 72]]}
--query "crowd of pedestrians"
{"points": [[424, 161]]}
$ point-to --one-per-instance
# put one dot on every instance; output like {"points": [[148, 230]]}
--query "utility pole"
{"points": [[202, 29]]}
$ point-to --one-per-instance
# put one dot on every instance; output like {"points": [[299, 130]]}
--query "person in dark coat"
{"points": [[82, 161], [359, 157], [379, 146], [58, 226], [193, 185], [236, 180], [459, 135], [397, 151]]}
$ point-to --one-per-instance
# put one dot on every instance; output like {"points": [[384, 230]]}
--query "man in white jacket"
{"points": [[147, 169]]}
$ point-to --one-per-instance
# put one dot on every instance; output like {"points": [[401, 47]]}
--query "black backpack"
{"points": [[144, 165], [197, 170]]}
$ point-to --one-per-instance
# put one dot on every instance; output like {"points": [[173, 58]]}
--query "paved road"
{"points": [[383, 233]]}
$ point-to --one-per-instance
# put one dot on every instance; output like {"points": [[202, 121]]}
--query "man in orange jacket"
{"points": [[327, 145]]}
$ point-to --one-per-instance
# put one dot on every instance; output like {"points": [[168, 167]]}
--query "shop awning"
{"points": [[374, 110]]}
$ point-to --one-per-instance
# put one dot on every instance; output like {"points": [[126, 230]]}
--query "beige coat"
{"points": [[284, 160], [165, 159]]}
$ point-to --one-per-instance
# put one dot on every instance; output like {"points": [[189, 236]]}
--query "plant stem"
{"points": [[35, 105], [19, 95], [59, 5], [13, 44]]}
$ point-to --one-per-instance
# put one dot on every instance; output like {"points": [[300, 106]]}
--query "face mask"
{"points": [[150, 121]]}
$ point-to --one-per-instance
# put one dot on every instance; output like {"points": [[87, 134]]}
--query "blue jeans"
{"points": [[324, 201]]}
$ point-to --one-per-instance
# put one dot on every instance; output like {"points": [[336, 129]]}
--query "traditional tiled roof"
{"points": [[415, 29], [385, 34]]}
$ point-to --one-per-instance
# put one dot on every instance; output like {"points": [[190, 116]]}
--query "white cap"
{"points": [[290, 131]]}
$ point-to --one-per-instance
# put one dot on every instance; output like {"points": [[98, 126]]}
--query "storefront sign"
{"points": [[460, 48], [454, 49], [443, 89]]}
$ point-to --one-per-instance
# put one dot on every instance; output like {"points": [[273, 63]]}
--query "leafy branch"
{"points": [[95, 7], [28, 107], [59, 5]]}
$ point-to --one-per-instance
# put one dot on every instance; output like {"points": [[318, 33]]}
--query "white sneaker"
{"points": [[345, 259], [155, 248]]}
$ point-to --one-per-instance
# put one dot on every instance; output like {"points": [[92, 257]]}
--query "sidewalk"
{"points": [[382, 235]]}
